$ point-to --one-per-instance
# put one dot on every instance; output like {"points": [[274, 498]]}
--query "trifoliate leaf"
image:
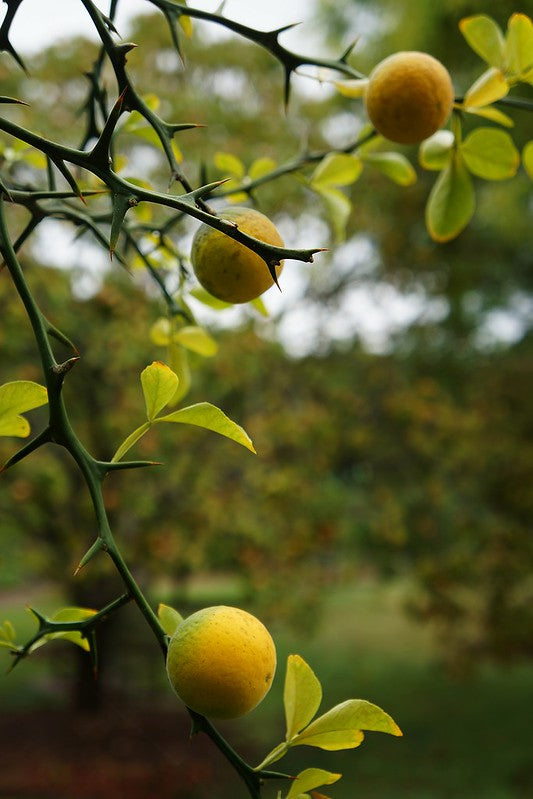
{"points": [[491, 154], [16, 398], [489, 87], [519, 47], [355, 88], [203, 296], [196, 339], [309, 779], [179, 362], [341, 727], [229, 164], [493, 114], [261, 167], [128, 442], [159, 384], [203, 414], [7, 636], [485, 37], [160, 332], [527, 158], [451, 202], [75, 637], [259, 306], [336, 169], [301, 696], [435, 152], [169, 618], [394, 165], [338, 208]]}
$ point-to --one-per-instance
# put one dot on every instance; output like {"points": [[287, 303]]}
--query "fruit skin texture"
{"points": [[409, 97], [221, 662], [229, 270]]}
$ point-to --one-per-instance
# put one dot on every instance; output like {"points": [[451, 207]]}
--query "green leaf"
{"points": [[179, 361], [261, 167], [16, 398], [527, 158], [330, 740], [7, 636], [259, 306], [128, 442], [341, 727], [159, 384], [338, 208], [309, 779], [186, 23], [160, 332], [436, 152], [485, 37], [169, 618], [229, 164], [451, 202], [203, 296], [489, 87], [493, 114], [336, 169], [203, 414], [275, 754], [394, 165], [355, 88], [491, 154], [71, 614], [196, 339], [301, 696], [234, 185], [519, 47], [14, 426]]}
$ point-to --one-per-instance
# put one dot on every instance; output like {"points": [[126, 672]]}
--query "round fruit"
{"points": [[221, 661], [229, 270], [409, 97]]}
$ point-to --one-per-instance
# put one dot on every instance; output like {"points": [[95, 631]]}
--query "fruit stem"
{"points": [[252, 779]]}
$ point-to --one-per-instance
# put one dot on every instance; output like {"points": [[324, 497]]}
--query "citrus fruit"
{"points": [[409, 97], [229, 270], [221, 661]]}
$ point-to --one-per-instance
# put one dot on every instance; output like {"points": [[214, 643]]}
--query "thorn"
{"points": [[279, 31], [40, 618], [110, 24], [13, 100], [344, 57], [287, 88], [89, 555], [66, 366]]}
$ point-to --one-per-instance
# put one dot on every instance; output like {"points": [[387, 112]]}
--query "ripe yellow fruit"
{"points": [[409, 97], [229, 270], [221, 661]]}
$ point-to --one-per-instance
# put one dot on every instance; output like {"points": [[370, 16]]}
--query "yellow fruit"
{"points": [[221, 661], [409, 97], [229, 270]]}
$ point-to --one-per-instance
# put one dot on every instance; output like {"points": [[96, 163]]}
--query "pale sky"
{"points": [[35, 26], [381, 310]]}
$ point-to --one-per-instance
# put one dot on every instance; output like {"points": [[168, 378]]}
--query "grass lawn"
{"points": [[463, 739]]}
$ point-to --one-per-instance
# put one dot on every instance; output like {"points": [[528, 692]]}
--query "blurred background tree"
{"points": [[387, 393]]}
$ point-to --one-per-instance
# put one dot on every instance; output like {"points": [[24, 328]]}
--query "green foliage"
{"points": [[65, 615], [308, 780], [159, 385], [339, 728], [16, 398], [169, 618], [367, 485]]}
